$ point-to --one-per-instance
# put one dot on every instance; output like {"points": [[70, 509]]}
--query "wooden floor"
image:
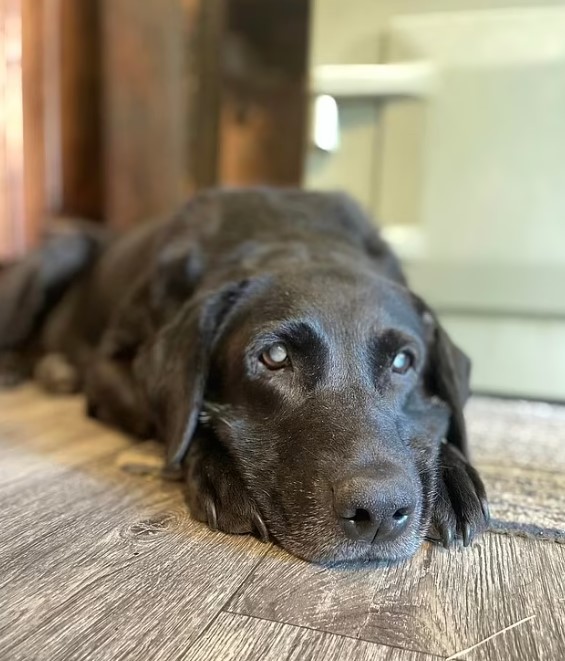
{"points": [[99, 560]]}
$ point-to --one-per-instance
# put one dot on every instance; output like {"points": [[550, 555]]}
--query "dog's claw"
{"points": [[261, 528], [461, 508], [486, 510], [215, 492], [446, 533], [212, 515], [466, 533]]}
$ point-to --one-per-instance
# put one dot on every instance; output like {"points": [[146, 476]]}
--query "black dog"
{"points": [[269, 339]]}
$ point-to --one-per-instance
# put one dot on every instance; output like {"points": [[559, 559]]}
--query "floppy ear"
{"points": [[174, 367], [177, 270], [448, 376]]}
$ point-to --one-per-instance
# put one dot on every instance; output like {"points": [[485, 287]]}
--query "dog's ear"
{"points": [[174, 367], [447, 375], [177, 270]]}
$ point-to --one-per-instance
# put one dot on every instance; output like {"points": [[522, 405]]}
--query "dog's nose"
{"points": [[374, 509]]}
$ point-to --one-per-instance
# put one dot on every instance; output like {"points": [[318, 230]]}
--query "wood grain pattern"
{"points": [[263, 121], [81, 121], [439, 602], [517, 434], [144, 108], [519, 448], [526, 496], [99, 559], [96, 562], [37, 200], [234, 638], [206, 93], [526, 641]]}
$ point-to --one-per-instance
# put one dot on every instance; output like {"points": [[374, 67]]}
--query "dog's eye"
{"points": [[402, 362], [276, 356]]}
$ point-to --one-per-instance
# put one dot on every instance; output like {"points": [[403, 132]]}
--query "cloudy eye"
{"points": [[276, 356], [402, 362]]}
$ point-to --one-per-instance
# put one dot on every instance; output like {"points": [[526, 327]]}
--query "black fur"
{"points": [[164, 330]]}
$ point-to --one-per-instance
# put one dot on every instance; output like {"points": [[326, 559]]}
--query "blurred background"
{"points": [[444, 118]]}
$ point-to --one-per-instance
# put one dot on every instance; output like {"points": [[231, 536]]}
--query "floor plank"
{"points": [[445, 602], [239, 638], [517, 434], [519, 448], [526, 641], [438, 603], [97, 562], [99, 559]]}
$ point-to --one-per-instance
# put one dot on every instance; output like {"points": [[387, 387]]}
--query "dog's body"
{"points": [[268, 338]]}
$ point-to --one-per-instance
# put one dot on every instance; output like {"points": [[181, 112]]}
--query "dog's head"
{"points": [[330, 391]]}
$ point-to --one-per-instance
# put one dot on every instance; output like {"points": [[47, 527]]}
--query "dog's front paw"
{"points": [[55, 373], [216, 494], [461, 507]]}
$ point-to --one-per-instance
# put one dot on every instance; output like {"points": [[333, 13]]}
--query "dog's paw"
{"points": [[215, 493], [461, 509], [57, 375]]}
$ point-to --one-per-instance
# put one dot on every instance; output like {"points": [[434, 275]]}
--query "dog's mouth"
{"points": [[305, 521], [374, 512], [327, 549], [322, 537]]}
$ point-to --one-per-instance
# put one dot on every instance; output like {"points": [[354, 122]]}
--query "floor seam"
{"points": [[333, 633], [225, 606]]}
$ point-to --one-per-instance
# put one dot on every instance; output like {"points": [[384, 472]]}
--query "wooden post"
{"points": [[145, 111]]}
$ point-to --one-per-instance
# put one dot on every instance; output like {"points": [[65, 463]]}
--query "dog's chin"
{"points": [[341, 551], [324, 544]]}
